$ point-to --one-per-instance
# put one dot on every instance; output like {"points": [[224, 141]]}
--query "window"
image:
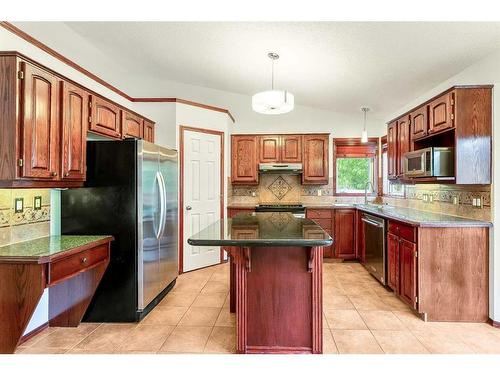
{"points": [[353, 174], [355, 165]]}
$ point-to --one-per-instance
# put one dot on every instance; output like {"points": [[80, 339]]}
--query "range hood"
{"points": [[290, 168]]}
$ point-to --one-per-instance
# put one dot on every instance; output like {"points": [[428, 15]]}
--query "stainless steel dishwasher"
{"points": [[374, 229]]}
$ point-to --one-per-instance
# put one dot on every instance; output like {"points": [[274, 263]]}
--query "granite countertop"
{"points": [[44, 249], [262, 229], [421, 218]]}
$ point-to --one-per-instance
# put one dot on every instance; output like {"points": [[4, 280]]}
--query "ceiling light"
{"points": [[364, 133], [273, 102]]}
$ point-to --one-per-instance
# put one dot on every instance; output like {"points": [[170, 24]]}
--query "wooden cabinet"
{"points": [[74, 123], [393, 262], [149, 131], [315, 159], [244, 165], [269, 149], [392, 150], [324, 217], [419, 122], [133, 125], [441, 113], [232, 212], [106, 118], [408, 272], [291, 148], [403, 143], [360, 243], [345, 233], [39, 156]]}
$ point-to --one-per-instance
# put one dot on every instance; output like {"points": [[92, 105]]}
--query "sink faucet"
{"points": [[366, 190]]}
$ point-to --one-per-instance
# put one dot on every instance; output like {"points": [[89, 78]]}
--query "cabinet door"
{"points": [[345, 234], [324, 218], [419, 122], [244, 159], [75, 119], [441, 113], [291, 148], [106, 119], [132, 125], [392, 151], [360, 244], [269, 149], [403, 142], [40, 129], [408, 272], [232, 212], [315, 153], [393, 262], [149, 131]]}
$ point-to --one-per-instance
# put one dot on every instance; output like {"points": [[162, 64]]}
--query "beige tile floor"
{"points": [[360, 316]]}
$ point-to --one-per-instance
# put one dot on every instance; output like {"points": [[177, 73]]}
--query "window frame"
{"points": [[384, 173], [352, 147]]}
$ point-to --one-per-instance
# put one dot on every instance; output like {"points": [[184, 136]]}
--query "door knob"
{"points": [[188, 208]]}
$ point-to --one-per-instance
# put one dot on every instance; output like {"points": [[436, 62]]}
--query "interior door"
{"points": [[202, 192]]}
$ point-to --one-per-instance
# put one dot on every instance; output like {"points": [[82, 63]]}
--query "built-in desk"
{"points": [[70, 266]]}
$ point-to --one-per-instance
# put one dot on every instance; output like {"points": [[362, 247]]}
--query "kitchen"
{"points": [[151, 215]]}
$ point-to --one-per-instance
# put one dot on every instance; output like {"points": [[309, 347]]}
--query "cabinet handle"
{"points": [[84, 260], [54, 174], [66, 174]]}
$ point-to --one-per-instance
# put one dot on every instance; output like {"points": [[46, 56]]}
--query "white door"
{"points": [[202, 193]]}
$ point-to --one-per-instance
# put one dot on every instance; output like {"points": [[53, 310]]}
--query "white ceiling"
{"points": [[329, 65]]}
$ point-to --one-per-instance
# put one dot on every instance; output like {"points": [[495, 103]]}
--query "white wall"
{"points": [[486, 71]]}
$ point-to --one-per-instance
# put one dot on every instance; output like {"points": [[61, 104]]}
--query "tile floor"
{"points": [[360, 316]]}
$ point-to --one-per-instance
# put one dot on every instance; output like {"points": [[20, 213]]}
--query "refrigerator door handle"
{"points": [[158, 179], [164, 209]]}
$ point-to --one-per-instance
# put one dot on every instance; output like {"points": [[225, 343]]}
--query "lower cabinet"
{"points": [[324, 217], [231, 212], [402, 262], [345, 233]]}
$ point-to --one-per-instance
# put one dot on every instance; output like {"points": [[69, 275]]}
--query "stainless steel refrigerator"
{"points": [[130, 193]]}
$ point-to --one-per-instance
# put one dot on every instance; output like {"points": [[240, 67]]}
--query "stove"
{"points": [[297, 209]]}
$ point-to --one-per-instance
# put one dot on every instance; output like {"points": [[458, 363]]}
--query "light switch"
{"points": [[18, 205], [37, 202]]}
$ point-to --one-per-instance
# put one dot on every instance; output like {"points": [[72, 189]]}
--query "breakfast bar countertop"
{"points": [[44, 249], [262, 229]]}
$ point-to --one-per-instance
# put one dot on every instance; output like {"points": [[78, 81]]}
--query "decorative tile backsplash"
{"points": [[279, 187], [30, 222], [446, 193]]}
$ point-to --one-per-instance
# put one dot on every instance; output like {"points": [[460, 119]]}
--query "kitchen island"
{"points": [[276, 279]]}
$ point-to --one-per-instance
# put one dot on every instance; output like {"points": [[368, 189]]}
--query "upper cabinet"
{"points": [[106, 118], [133, 125], [149, 131], [459, 118], [244, 156], [269, 149], [44, 121], [315, 159], [291, 148], [74, 123]]}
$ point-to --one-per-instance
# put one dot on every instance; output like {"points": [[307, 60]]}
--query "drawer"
{"points": [[319, 214], [405, 231], [74, 264], [326, 224]]}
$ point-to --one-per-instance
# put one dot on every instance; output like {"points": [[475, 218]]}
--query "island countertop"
{"points": [[262, 229], [45, 249]]}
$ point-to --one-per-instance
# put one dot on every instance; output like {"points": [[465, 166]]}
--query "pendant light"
{"points": [[273, 102], [364, 134]]}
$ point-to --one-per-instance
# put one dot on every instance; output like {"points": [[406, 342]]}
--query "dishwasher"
{"points": [[374, 229]]}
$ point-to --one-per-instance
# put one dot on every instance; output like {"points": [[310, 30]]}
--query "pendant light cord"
{"points": [[272, 74], [364, 113]]}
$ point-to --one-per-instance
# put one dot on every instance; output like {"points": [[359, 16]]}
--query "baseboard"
{"points": [[33, 333], [493, 323]]}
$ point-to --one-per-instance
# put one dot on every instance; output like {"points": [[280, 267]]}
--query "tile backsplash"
{"points": [[29, 221]]}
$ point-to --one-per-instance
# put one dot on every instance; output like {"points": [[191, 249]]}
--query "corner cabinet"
{"points": [[315, 159], [244, 156]]}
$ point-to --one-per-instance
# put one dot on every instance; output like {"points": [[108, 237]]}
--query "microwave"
{"points": [[429, 162]]}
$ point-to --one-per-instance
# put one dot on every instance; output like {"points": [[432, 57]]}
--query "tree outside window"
{"points": [[353, 174]]}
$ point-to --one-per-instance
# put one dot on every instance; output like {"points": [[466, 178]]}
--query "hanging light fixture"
{"points": [[364, 134], [273, 102]]}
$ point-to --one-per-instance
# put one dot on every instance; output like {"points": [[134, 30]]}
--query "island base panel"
{"points": [[278, 299]]}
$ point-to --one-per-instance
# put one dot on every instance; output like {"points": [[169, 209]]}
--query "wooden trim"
{"points": [[182, 129], [28, 38], [372, 141], [493, 323], [33, 333]]}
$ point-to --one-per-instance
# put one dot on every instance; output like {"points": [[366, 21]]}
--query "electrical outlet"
{"points": [[425, 198], [37, 203], [454, 199], [319, 192], [18, 205], [431, 198], [253, 193]]}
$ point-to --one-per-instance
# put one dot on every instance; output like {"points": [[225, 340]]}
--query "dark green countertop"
{"points": [[262, 229], [44, 249]]}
